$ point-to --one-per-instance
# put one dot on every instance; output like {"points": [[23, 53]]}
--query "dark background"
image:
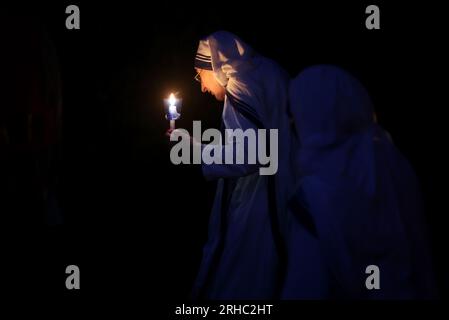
{"points": [[135, 223]]}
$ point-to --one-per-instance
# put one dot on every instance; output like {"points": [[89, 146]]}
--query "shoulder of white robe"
{"points": [[245, 110]]}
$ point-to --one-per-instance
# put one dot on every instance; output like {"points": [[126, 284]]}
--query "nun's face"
{"points": [[210, 84]]}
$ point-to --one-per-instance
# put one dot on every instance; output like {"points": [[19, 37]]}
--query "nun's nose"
{"points": [[203, 88]]}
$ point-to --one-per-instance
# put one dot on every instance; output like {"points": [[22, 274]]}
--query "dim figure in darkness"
{"points": [[356, 202]]}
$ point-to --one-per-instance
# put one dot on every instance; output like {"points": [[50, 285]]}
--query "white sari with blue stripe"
{"points": [[244, 255]]}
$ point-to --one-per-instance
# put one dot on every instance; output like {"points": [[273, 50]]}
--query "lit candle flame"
{"points": [[172, 104], [172, 100], [172, 110]]}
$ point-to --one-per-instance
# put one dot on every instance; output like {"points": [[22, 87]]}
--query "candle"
{"points": [[172, 109]]}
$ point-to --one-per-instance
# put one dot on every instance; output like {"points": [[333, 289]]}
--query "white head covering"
{"points": [[227, 54], [203, 57]]}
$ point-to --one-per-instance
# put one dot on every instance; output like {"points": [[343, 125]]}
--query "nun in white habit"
{"points": [[244, 257]]}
